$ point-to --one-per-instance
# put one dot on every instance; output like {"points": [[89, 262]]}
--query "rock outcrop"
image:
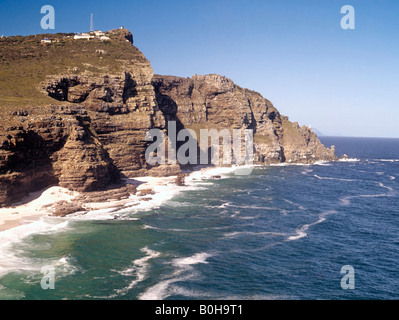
{"points": [[214, 101], [59, 148], [94, 133], [122, 108]]}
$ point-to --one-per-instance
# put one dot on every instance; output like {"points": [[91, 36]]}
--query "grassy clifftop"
{"points": [[25, 62]]}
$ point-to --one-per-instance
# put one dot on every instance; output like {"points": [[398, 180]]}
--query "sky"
{"points": [[339, 81]]}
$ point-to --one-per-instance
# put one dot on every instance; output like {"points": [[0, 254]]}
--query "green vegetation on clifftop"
{"points": [[25, 62]]}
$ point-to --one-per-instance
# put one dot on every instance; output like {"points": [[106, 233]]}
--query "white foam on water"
{"points": [[195, 259], [195, 180], [254, 207], [302, 231], [138, 269], [387, 160], [178, 204], [184, 271], [248, 217], [11, 256], [385, 187], [300, 207], [100, 214], [306, 171], [329, 178], [202, 177], [236, 234], [345, 201], [290, 202], [224, 205], [349, 160], [159, 291], [235, 214], [322, 163], [64, 266], [43, 225], [287, 164], [162, 194], [10, 294], [146, 226], [139, 265]]}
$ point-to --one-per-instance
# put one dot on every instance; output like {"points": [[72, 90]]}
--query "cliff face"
{"points": [[214, 101], [58, 148], [122, 108], [94, 133]]}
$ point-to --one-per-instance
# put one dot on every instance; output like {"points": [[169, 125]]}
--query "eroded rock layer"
{"points": [[94, 133], [214, 101]]}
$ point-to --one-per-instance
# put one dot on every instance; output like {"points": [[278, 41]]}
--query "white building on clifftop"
{"points": [[98, 34], [86, 36]]}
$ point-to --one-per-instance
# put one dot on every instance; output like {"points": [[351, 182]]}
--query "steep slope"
{"points": [[75, 113], [214, 101], [60, 147], [105, 104]]}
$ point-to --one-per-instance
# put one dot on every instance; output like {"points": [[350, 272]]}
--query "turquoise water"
{"points": [[284, 232]]}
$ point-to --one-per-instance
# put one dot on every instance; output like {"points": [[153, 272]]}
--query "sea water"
{"points": [[283, 232]]}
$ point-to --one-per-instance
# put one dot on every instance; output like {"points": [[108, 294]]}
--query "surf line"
{"points": [[345, 201], [302, 231]]}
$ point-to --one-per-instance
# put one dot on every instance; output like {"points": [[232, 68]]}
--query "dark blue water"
{"points": [[284, 232]]}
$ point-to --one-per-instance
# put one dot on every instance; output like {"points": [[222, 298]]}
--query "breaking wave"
{"points": [[302, 231], [138, 269], [184, 271]]}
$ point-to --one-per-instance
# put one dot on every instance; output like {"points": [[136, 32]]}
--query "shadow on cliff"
{"points": [[169, 109], [22, 176], [129, 88]]}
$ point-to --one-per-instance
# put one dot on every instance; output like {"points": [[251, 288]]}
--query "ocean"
{"points": [[283, 232]]}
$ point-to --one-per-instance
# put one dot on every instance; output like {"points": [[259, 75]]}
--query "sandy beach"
{"points": [[31, 208]]}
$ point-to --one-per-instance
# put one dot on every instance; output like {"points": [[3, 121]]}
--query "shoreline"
{"points": [[150, 194], [30, 208]]}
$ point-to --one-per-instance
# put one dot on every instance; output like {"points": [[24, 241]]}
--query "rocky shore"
{"points": [[141, 193]]}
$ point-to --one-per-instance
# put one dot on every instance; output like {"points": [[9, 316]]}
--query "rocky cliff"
{"points": [[214, 101], [80, 120]]}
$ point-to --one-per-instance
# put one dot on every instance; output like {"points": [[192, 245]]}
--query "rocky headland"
{"points": [[75, 114]]}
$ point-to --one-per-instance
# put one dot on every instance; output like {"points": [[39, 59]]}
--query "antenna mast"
{"points": [[91, 23]]}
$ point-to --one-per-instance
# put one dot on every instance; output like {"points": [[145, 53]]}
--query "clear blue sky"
{"points": [[295, 53]]}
